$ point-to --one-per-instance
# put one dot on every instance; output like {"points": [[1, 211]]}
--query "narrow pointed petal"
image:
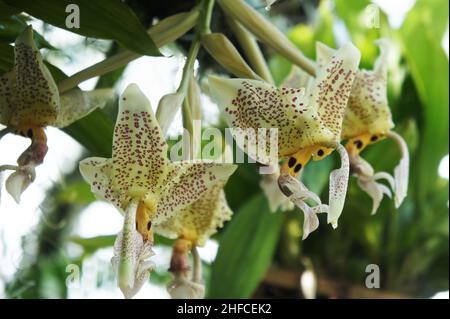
{"points": [[374, 190], [338, 187], [401, 171], [77, 104], [139, 154], [323, 54], [130, 255], [334, 80], [195, 179], [97, 172], [36, 97]]}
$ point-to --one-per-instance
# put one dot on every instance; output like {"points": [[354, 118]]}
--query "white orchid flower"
{"points": [[144, 184], [309, 125], [368, 120], [30, 101]]}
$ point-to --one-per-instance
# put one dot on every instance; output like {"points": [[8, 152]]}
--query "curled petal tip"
{"points": [[401, 171], [26, 37], [18, 182]]}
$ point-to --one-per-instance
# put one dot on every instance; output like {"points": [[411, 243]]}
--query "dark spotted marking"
{"points": [[298, 168], [359, 144], [374, 138], [320, 152], [149, 225], [292, 162], [30, 133]]}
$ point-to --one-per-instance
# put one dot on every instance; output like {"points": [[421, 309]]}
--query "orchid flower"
{"points": [[191, 227], [276, 198], [144, 185], [30, 101], [309, 125], [368, 120]]}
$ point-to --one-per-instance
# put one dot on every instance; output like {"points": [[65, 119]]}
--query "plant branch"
{"points": [[164, 32]]}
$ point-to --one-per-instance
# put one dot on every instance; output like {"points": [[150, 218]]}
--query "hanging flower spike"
{"points": [[144, 184], [309, 126], [368, 120], [191, 227], [30, 101]]}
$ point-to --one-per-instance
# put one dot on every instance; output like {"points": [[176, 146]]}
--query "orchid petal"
{"points": [[338, 187], [19, 181], [386, 176], [130, 255], [333, 84], [139, 154], [199, 220], [297, 78], [299, 194], [97, 172], [250, 105], [35, 98], [401, 171], [368, 108], [77, 104], [195, 179], [374, 190]]}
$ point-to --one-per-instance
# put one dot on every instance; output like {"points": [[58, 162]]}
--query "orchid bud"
{"points": [[224, 52]]}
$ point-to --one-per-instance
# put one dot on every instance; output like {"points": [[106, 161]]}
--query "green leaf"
{"points": [[105, 19], [246, 250], [7, 10], [94, 132], [11, 27], [429, 68], [6, 57]]}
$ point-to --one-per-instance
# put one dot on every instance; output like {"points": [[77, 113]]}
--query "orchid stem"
{"points": [[197, 266], [164, 32]]}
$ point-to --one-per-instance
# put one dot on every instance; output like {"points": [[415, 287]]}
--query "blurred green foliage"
{"points": [[411, 244]]}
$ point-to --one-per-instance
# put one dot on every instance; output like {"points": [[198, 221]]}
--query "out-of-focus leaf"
{"points": [[7, 10], [430, 70], [11, 27], [94, 132], [246, 250], [6, 57], [77, 192], [105, 19]]}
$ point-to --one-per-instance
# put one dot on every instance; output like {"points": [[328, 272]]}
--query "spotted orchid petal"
{"points": [[368, 108], [28, 94], [77, 104], [196, 180], [131, 254], [338, 187], [277, 200], [139, 154], [97, 172], [199, 220], [401, 171]]}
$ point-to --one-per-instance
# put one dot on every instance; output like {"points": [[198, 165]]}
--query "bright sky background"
{"points": [[156, 77]]}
